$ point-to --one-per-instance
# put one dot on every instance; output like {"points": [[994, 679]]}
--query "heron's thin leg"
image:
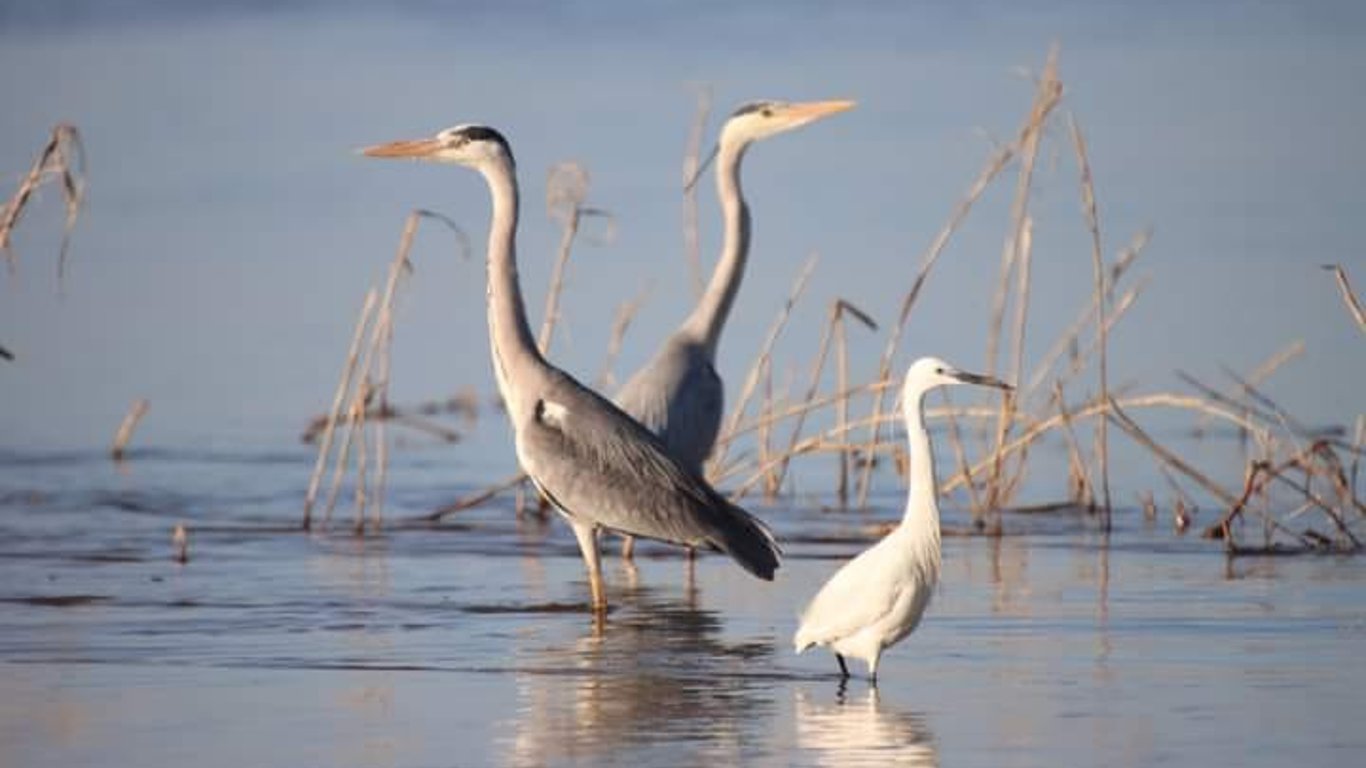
{"points": [[588, 545], [844, 670], [628, 547], [872, 672]]}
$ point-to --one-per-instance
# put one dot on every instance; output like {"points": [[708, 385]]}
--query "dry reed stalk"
{"points": [[960, 459], [1078, 471], [566, 191], [838, 308], [1259, 374], [1069, 338], [479, 497], [343, 386], [626, 312], [126, 427], [387, 413], [381, 438], [1115, 311], [1169, 458], [994, 165], [1047, 92], [766, 431], [363, 394], [1088, 204], [180, 543], [1349, 297], [692, 161], [1095, 409], [1259, 476], [54, 161], [1022, 245], [765, 353]]}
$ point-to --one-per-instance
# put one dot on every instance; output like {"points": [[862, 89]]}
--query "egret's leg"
{"points": [[872, 670], [844, 669], [628, 547], [588, 545]]}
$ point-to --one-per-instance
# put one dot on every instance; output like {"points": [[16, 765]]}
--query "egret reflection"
{"points": [[858, 731]]}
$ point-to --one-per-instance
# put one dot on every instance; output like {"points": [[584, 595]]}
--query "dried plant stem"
{"points": [[343, 386], [1022, 243], [1068, 338], [756, 368], [692, 159], [626, 312], [1169, 458], [479, 497], [363, 393], [1088, 204], [1083, 490], [63, 158], [995, 164], [1349, 297], [126, 427], [835, 325]]}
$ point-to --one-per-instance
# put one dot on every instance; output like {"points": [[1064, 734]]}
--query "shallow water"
{"points": [[467, 642]]}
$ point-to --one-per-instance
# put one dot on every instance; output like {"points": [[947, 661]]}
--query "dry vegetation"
{"points": [[1299, 493]]}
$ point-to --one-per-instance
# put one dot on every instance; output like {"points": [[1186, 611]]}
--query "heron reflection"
{"points": [[658, 669]]}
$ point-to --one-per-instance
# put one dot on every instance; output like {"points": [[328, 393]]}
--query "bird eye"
{"points": [[939, 371], [766, 112]]}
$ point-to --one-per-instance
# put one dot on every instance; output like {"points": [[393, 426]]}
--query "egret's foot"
{"points": [[844, 669]]}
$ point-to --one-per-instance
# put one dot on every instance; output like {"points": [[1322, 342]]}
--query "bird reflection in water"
{"points": [[658, 669], [862, 731]]}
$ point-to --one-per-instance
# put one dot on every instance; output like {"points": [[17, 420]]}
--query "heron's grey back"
{"points": [[680, 398], [597, 464]]}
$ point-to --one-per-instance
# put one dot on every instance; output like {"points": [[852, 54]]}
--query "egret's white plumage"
{"points": [[876, 599]]}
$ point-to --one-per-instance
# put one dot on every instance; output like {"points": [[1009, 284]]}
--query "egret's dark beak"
{"points": [[416, 148], [981, 380]]}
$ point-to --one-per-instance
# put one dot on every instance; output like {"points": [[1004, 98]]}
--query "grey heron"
{"points": [[878, 598], [678, 394], [596, 464]]}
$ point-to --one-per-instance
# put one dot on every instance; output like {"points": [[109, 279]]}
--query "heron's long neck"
{"points": [[514, 351], [922, 506], [708, 318]]}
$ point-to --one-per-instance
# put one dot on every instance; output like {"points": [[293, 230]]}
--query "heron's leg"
{"points": [[588, 545], [872, 670], [844, 669], [628, 547]]}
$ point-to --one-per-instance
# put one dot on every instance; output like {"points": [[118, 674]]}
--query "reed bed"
{"points": [[1299, 493]]}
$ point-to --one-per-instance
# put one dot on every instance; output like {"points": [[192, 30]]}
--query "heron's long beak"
{"points": [[981, 380], [408, 148], [805, 112]]}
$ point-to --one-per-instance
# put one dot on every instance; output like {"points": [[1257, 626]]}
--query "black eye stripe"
{"points": [[479, 133], [763, 107]]}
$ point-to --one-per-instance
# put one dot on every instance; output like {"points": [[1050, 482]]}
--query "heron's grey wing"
{"points": [[679, 397], [860, 594], [599, 465]]}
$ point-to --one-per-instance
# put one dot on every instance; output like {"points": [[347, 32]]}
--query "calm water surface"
{"points": [[467, 642]]}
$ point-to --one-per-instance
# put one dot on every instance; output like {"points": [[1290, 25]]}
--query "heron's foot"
{"points": [[628, 547], [844, 668]]}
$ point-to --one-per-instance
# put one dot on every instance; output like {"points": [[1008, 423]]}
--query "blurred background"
{"points": [[231, 229]]}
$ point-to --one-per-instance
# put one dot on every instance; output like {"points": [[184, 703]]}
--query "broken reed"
{"points": [[363, 389]]}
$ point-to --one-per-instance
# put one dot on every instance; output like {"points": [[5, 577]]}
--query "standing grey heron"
{"points": [[678, 395], [596, 464], [877, 598]]}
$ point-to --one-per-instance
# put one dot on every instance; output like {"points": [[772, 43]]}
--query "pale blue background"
{"points": [[231, 230]]}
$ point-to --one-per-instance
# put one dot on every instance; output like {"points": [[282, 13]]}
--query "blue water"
{"points": [[468, 642]]}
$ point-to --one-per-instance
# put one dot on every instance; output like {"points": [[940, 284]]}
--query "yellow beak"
{"points": [[815, 110], [408, 148]]}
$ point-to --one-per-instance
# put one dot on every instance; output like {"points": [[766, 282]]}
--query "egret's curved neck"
{"points": [[514, 351], [708, 318], [922, 506]]}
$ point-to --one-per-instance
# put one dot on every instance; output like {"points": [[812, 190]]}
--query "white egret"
{"points": [[877, 599]]}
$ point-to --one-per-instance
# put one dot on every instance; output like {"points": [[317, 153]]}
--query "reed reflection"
{"points": [[657, 670], [858, 729]]}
